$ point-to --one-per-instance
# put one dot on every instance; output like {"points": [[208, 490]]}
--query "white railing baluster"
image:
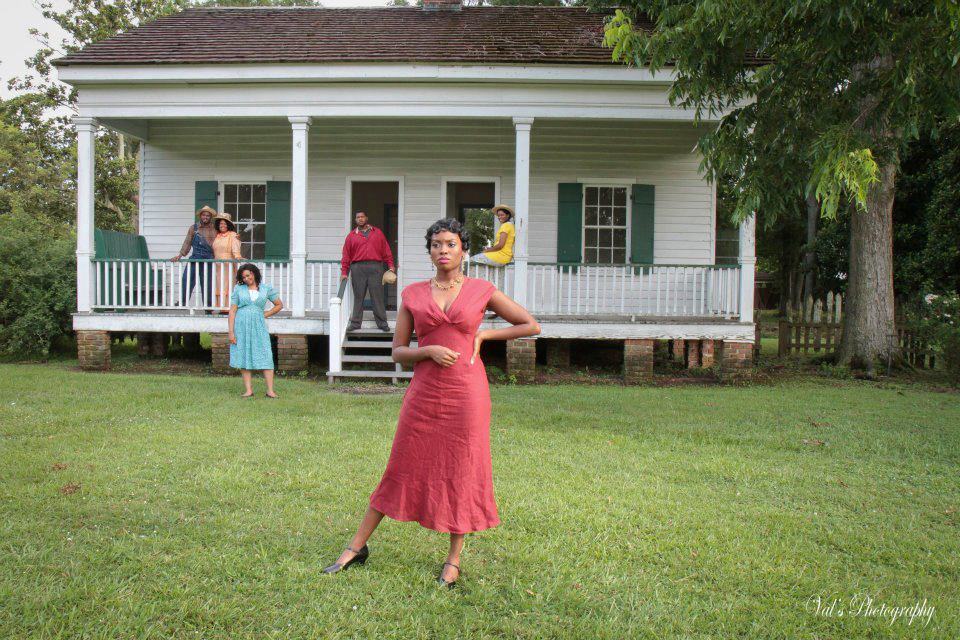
{"points": [[124, 288], [658, 270], [532, 287], [703, 289]]}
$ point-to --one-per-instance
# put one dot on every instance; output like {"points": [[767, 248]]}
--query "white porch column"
{"points": [[748, 263], [86, 159], [522, 185], [298, 216]]}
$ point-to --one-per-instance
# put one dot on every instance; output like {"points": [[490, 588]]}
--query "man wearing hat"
{"points": [[364, 252], [199, 246], [501, 253]]}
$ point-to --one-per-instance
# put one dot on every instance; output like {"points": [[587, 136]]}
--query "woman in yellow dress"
{"points": [[226, 246], [501, 253]]}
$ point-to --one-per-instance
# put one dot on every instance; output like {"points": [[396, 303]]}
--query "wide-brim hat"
{"points": [[506, 208], [389, 277], [224, 216], [208, 209]]}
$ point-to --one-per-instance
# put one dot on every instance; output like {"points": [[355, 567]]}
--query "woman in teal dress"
{"points": [[249, 340]]}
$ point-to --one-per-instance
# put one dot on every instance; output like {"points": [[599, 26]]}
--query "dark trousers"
{"points": [[367, 275], [196, 273]]}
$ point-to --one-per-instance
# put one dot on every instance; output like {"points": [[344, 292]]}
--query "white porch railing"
{"points": [[552, 289], [195, 285], [341, 305], [323, 280], [643, 290]]}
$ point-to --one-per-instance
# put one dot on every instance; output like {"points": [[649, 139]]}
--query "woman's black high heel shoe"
{"points": [[360, 558], [452, 583]]}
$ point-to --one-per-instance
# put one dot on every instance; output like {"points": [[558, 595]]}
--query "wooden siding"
{"points": [[180, 152]]}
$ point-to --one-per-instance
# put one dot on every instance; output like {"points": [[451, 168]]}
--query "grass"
{"points": [[156, 506]]}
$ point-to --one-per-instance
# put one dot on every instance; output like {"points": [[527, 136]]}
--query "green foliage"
{"points": [[926, 223], [479, 223], [837, 371], [838, 89], [926, 216], [37, 204], [845, 172], [937, 321], [36, 169], [37, 282]]}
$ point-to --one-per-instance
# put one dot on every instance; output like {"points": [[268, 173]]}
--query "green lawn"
{"points": [[673, 512]]}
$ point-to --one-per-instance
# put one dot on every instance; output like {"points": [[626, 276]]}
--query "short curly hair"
{"points": [[453, 226], [252, 268]]}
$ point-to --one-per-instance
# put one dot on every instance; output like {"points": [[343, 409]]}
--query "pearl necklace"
{"points": [[455, 282]]}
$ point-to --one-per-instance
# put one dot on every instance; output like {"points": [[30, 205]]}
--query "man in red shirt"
{"points": [[364, 252]]}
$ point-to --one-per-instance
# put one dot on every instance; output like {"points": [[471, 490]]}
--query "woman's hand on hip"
{"points": [[441, 355], [477, 341]]}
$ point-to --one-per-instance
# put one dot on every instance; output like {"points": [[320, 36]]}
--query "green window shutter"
{"points": [[570, 222], [205, 194], [278, 221], [641, 231]]}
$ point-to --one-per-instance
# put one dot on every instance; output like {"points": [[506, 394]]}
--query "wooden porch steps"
{"points": [[368, 352], [366, 358]]}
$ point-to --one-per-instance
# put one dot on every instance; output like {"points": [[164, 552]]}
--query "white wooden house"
{"points": [[292, 119]]}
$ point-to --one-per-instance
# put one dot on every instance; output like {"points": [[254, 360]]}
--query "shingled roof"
{"points": [[473, 35]]}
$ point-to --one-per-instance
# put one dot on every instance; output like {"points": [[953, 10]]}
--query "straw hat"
{"points": [[224, 216], [208, 209], [389, 277], [506, 208]]}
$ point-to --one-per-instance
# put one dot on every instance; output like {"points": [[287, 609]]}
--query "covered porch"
{"points": [[662, 283]]}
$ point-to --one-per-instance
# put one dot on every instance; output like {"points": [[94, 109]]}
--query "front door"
{"points": [[380, 201]]}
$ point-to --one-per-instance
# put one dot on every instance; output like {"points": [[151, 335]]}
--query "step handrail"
{"points": [[340, 307]]}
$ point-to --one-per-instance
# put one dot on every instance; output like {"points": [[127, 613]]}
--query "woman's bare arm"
{"points": [[275, 309], [231, 319], [501, 242], [524, 324]]}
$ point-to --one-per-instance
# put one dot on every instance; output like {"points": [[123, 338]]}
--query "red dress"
{"points": [[440, 472]]}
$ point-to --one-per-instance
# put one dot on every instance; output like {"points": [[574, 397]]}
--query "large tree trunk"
{"points": [[868, 325]]}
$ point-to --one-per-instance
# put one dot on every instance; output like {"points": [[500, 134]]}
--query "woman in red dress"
{"points": [[439, 473]]}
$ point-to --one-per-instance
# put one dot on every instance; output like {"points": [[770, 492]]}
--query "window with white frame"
{"points": [[605, 224], [247, 205]]}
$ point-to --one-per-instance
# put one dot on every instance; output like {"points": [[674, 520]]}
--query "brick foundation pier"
{"points": [[637, 361], [220, 352], [522, 359], [93, 350], [736, 358], [292, 353]]}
